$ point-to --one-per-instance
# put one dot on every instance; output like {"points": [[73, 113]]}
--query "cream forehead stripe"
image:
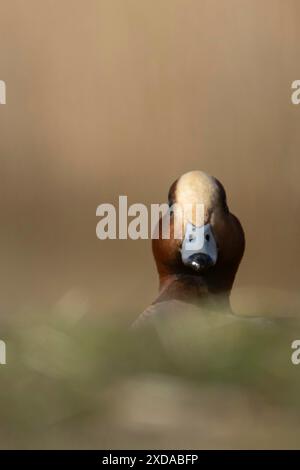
{"points": [[196, 187]]}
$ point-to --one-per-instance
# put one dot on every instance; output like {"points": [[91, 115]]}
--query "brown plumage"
{"points": [[200, 282]]}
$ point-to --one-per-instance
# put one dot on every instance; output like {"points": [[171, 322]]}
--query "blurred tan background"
{"points": [[109, 97]]}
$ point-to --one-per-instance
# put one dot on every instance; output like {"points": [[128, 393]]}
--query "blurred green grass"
{"points": [[204, 382]]}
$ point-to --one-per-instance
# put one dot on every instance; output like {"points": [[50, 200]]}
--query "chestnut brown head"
{"points": [[209, 248]]}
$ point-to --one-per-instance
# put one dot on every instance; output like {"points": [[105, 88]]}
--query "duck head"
{"points": [[204, 258]]}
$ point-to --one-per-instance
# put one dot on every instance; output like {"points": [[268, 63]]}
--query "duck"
{"points": [[193, 274]]}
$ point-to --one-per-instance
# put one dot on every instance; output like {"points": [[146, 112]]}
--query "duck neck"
{"points": [[194, 289]]}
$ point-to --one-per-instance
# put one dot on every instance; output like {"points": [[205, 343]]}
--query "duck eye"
{"points": [[207, 237]]}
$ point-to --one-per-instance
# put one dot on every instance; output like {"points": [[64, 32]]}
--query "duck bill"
{"points": [[199, 262], [199, 248]]}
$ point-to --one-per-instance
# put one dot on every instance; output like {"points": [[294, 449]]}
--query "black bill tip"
{"points": [[200, 262]]}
